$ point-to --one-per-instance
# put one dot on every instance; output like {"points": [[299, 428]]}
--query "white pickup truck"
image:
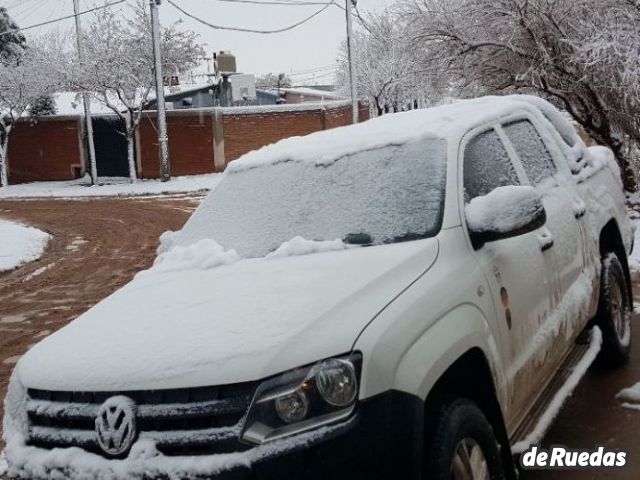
{"points": [[398, 299]]}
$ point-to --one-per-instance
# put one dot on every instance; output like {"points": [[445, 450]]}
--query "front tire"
{"points": [[614, 312], [461, 444]]}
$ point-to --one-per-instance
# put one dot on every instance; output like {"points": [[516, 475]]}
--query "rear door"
{"points": [[520, 272], [565, 212]]}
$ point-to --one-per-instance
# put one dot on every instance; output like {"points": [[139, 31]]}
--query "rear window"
{"points": [[393, 194], [532, 152]]}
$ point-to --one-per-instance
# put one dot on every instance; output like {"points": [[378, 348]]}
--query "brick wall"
{"points": [[247, 132], [44, 150], [50, 148], [190, 144]]}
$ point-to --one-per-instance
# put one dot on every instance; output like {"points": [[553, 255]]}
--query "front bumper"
{"points": [[383, 440]]}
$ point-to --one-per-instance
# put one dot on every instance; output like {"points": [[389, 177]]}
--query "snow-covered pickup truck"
{"points": [[399, 299]]}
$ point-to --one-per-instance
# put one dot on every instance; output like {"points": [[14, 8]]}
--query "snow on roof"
{"points": [[312, 92], [183, 89], [70, 104], [294, 107], [447, 122]]}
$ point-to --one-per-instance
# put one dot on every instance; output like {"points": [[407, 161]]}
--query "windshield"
{"points": [[390, 194]]}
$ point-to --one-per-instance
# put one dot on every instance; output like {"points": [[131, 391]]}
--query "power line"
{"points": [[60, 19], [249, 30], [292, 3]]}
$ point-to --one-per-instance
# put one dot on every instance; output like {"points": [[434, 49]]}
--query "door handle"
{"points": [[546, 245], [545, 240]]}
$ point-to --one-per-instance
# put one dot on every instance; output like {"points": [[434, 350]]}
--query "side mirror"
{"points": [[504, 213]]}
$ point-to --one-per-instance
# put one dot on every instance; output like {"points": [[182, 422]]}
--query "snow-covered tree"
{"points": [[118, 65], [387, 72], [273, 81], [12, 43], [541, 46], [43, 106], [24, 80]]}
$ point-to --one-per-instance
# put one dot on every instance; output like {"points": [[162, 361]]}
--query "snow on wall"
{"points": [[20, 244]]}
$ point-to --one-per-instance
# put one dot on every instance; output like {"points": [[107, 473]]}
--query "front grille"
{"points": [[189, 421]]}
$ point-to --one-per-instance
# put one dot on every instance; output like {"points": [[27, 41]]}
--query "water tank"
{"points": [[226, 62]]}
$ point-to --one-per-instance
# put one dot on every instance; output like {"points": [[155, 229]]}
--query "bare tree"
{"points": [[118, 67], [502, 46], [24, 79], [273, 81], [387, 69]]}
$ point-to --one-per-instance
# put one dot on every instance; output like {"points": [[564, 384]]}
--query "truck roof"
{"points": [[446, 122]]}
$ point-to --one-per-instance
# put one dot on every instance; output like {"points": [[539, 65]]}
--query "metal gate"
{"points": [[111, 147]]}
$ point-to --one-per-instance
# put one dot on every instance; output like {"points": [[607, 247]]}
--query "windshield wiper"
{"points": [[363, 239]]}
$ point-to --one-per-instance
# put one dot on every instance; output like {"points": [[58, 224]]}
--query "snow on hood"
{"points": [[302, 246], [234, 323], [203, 254]]}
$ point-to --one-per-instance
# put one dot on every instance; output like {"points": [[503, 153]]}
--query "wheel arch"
{"points": [[470, 377], [610, 240]]}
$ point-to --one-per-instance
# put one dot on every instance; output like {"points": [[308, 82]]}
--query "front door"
{"points": [[521, 274]]}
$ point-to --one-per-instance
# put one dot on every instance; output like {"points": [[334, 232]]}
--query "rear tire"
{"points": [[461, 444], [614, 312]]}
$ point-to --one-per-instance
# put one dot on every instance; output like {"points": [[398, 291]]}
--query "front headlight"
{"points": [[303, 399]]}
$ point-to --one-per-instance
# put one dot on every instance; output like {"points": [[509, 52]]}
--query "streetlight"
{"points": [[350, 54]]}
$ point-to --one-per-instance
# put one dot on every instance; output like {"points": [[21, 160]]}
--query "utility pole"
{"points": [[93, 169], [163, 139], [350, 52]]}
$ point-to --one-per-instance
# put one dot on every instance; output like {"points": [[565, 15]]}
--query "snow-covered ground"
{"points": [[634, 258], [630, 397], [3, 464], [110, 187], [20, 244]]}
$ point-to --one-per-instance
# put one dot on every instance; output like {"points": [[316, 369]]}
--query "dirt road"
{"points": [[97, 246]]}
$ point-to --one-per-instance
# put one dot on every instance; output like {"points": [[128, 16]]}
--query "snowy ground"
{"points": [[20, 244], [634, 258], [110, 187], [3, 464]]}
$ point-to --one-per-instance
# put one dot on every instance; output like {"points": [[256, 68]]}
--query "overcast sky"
{"points": [[308, 52]]}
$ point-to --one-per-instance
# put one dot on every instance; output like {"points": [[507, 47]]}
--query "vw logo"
{"points": [[116, 425]]}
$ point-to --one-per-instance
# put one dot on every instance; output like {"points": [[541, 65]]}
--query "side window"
{"points": [[534, 156], [487, 166]]}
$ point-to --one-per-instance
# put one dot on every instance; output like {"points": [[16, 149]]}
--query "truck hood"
{"points": [[233, 323]]}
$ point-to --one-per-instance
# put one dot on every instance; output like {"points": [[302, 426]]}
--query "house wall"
{"points": [[48, 149]]}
